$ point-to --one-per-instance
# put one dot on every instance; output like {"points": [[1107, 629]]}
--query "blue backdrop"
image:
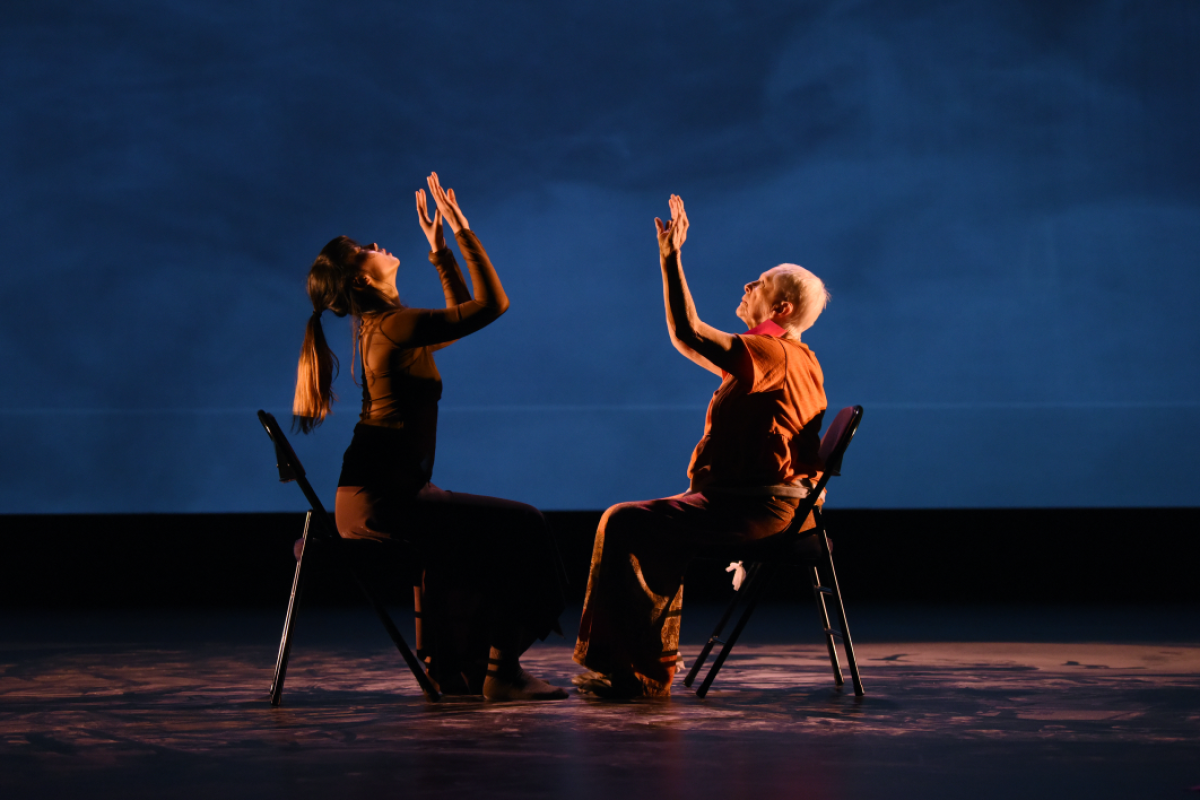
{"points": [[1003, 198]]}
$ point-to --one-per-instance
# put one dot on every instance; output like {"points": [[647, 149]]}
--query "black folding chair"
{"points": [[319, 526], [810, 550]]}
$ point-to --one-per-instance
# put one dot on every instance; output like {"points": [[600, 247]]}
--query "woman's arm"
{"points": [[420, 327], [487, 290], [712, 349], [453, 285]]}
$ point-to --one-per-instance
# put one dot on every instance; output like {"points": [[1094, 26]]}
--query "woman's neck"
{"points": [[380, 302]]}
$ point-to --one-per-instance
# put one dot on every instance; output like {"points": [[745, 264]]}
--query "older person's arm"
{"points": [[715, 350], [695, 357]]}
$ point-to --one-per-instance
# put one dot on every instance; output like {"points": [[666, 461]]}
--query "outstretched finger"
{"points": [[422, 208], [658, 225], [435, 184]]}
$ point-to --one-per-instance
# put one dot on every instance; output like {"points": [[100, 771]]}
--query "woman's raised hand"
{"points": [[447, 204], [433, 230], [673, 234]]}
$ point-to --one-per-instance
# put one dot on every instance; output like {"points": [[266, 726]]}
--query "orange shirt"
{"points": [[766, 431]]}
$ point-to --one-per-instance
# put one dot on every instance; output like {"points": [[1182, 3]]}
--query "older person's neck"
{"points": [[788, 333]]}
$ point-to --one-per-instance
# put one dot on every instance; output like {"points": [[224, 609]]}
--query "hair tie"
{"points": [[316, 315]]}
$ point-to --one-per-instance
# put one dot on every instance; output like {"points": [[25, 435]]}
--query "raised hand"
{"points": [[447, 204], [432, 229], [673, 234]]}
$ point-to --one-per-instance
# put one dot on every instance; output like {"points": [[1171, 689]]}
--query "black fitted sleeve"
{"points": [[418, 327]]}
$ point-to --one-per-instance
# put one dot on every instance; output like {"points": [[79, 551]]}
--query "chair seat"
{"points": [[367, 548], [792, 549]]}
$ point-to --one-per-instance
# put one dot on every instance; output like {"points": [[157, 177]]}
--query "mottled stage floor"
{"points": [[1092, 703]]}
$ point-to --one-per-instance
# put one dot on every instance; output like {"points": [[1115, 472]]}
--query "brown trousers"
{"points": [[634, 601], [492, 573]]}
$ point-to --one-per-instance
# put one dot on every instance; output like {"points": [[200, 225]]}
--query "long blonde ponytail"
{"points": [[314, 378], [332, 286]]}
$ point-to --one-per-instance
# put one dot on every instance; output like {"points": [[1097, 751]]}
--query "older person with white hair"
{"points": [[758, 456]]}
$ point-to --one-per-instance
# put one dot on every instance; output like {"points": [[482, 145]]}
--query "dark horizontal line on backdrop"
{"points": [[998, 406]]}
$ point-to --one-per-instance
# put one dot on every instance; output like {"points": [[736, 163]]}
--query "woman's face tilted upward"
{"points": [[379, 268]]}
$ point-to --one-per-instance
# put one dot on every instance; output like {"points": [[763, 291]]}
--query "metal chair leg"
{"points": [[758, 578], [716, 634], [754, 593], [285, 645], [285, 642], [840, 608], [819, 593], [393, 632], [414, 666], [419, 621]]}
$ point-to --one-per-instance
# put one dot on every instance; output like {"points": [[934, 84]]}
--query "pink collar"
{"points": [[767, 328]]}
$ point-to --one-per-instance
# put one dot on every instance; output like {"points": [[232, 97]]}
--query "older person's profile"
{"points": [[758, 456]]}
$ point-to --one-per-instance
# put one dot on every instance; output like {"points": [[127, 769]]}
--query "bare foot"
{"points": [[519, 686], [624, 685], [618, 686]]}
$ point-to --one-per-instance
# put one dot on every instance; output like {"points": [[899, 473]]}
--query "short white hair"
{"points": [[805, 291]]}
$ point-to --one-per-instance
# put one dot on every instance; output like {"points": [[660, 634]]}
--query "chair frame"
{"points": [[767, 562], [319, 526]]}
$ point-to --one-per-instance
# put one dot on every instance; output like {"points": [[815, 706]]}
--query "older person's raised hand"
{"points": [[447, 204], [673, 234], [432, 229]]}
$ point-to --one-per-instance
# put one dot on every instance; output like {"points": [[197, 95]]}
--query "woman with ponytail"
{"points": [[492, 576]]}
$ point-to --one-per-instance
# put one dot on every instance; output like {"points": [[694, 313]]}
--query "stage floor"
{"points": [[112, 704]]}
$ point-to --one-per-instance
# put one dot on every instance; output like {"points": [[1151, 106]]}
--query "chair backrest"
{"points": [[286, 460], [833, 446], [837, 438], [290, 469]]}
